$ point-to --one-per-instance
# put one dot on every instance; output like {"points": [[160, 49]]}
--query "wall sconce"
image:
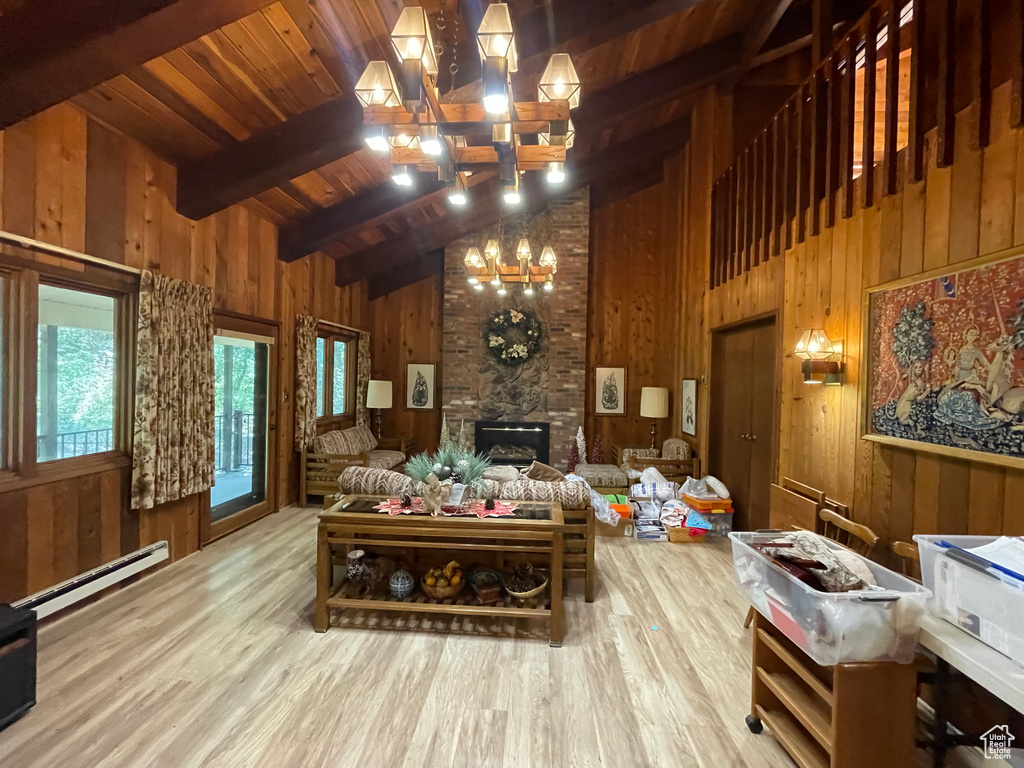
{"points": [[822, 360]]}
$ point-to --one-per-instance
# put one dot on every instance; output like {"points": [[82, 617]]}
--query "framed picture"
{"points": [[945, 361], [688, 406], [610, 391], [419, 387]]}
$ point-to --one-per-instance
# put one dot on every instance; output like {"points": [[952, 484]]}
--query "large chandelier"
{"points": [[403, 117], [490, 266]]}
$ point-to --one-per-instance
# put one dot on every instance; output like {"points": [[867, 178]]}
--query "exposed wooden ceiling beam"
{"points": [[246, 168], [266, 159], [622, 158], [763, 21], [50, 52], [323, 227], [553, 25], [426, 266]]}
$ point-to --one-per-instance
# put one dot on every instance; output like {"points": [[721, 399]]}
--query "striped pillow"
{"points": [[569, 495], [374, 482]]}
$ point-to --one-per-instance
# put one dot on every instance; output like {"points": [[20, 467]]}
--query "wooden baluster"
{"points": [[1017, 65], [819, 144], [847, 112], [835, 84], [730, 232], [772, 195], [803, 176], [867, 155], [788, 178], [757, 183], [892, 101], [716, 212], [919, 97], [945, 112], [741, 219], [749, 197], [981, 74]]}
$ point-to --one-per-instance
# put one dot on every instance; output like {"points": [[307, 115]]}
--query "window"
{"points": [[321, 347], [75, 376], [335, 376], [340, 366], [65, 345]]}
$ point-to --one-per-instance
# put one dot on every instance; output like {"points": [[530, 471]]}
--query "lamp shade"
{"points": [[495, 38], [377, 86], [814, 345], [654, 402], [412, 39], [559, 81], [378, 394]]}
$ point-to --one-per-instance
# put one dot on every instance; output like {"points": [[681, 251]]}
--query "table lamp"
{"points": [[378, 397], [654, 405]]}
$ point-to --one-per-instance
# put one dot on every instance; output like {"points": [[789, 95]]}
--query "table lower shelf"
{"points": [[465, 604]]}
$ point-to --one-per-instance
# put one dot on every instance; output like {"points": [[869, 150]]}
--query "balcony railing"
{"points": [[80, 443], [233, 448]]}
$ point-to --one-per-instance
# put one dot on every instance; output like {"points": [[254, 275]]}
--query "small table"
{"points": [[535, 529], [972, 658]]}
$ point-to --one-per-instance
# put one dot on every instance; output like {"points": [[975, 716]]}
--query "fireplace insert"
{"points": [[514, 443]]}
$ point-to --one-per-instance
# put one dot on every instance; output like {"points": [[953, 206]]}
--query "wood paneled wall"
{"points": [[70, 181], [975, 206], [633, 311], [407, 328]]}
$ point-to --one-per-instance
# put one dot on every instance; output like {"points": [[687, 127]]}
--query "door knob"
{"points": [[752, 438]]}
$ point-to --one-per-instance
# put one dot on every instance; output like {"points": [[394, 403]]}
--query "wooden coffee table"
{"points": [[535, 532]]}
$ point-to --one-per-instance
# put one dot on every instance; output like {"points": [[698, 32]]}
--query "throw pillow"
{"points": [[502, 474], [543, 472]]}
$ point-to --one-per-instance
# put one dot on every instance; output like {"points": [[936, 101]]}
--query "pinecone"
{"points": [[489, 505], [522, 578], [406, 500]]}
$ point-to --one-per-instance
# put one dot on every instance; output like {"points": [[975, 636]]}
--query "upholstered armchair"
{"points": [[675, 459], [334, 451]]}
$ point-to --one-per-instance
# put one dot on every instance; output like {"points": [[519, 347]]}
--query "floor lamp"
{"points": [[653, 406], [378, 397]]}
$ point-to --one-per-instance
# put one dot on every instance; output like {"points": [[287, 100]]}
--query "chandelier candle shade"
{"points": [[653, 406], [403, 115], [378, 397]]}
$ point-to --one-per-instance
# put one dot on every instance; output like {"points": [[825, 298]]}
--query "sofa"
{"points": [[673, 457], [577, 513], [334, 451]]}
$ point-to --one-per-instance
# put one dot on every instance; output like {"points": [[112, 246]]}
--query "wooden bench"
{"points": [[319, 472]]}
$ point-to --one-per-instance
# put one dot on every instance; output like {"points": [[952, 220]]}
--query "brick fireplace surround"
{"points": [[552, 387]]}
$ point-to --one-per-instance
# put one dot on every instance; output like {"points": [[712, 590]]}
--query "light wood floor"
{"points": [[213, 662]]}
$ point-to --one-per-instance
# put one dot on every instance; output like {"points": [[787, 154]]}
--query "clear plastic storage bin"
{"points": [[833, 628], [981, 603]]}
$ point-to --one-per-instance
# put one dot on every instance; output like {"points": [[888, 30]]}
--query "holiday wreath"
{"points": [[513, 336]]}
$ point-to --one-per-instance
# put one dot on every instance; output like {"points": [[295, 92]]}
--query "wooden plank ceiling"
{"points": [[239, 88]]}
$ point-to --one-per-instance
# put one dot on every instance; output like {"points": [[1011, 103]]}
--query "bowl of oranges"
{"points": [[440, 583]]}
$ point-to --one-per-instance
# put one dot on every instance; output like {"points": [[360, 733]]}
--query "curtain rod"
{"points": [[38, 246], [339, 326]]}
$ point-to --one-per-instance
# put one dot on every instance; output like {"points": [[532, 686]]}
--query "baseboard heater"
{"points": [[60, 596]]}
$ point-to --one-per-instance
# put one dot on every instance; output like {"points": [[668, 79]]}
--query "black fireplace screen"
{"points": [[515, 443]]}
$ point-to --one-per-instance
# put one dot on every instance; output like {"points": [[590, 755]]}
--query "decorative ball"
{"points": [[401, 584]]}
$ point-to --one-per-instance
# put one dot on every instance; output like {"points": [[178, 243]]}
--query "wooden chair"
{"points": [[910, 559], [319, 472], [851, 535]]}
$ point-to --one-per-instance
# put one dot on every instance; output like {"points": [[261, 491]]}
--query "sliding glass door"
{"points": [[243, 427]]}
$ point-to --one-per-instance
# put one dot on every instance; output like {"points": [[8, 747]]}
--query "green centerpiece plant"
{"points": [[448, 463]]}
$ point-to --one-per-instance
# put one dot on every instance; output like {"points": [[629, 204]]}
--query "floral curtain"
{"points": [[305, 381], [172, 454], [362, 379]]}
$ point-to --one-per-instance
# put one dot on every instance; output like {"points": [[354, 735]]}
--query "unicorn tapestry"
{"points": [[946, 361]]}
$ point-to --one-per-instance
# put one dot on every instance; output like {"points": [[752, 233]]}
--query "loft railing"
{"points": [[799, 172]]}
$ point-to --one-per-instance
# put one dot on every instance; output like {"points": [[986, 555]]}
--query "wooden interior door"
{"points": [[743, 405]]}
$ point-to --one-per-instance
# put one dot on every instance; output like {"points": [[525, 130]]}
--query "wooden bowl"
{"points": [[527, 595]]}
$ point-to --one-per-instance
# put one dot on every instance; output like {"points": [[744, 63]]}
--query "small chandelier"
{"points": [[489, 267]]}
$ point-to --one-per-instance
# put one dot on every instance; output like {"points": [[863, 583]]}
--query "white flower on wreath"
{"points": [[516, 316], [495, 340]]}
